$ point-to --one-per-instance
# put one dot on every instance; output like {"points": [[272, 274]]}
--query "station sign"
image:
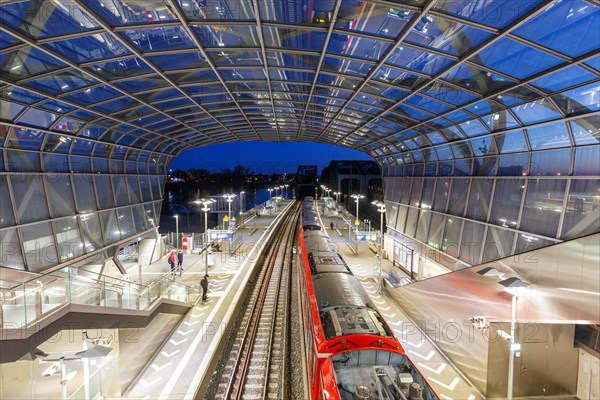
{"points": [[221, 234], [363, 236]]}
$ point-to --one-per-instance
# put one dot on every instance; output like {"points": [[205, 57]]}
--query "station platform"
{"points": [[182, 361]]}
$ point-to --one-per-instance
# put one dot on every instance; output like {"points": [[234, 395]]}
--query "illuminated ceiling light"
{"points": [[15, 67], [221, 44]]}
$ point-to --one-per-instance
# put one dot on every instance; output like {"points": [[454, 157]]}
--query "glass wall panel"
{"points": [[146, 189], [405, 191], [391, 213], [10, 249], [415, 193], [554, 162], [411, 222], [68, 238], [23, 161], [104, 191], [511, 142], [442, 192], [126, 222], [479, 199], [401, 219], [116, 167], [507, 202], [100, 165], [513, 164], [31, 204], [581, 216], [110, 227], [586, 130], [423, 225], [84, 193], [451, 236], [484, 166], [549, 136], [498, 244], [56, 163], [61, 195], [80, 165], [151, 215], [458, 196], [435, 230], [462, 167], [139, 219], [587, 161], [527, 243], [543, 206], [91, 232], [39, 246], [120, 186], [427, 198], [472, 241], [156, 188], [134, 189], [7, 217]]}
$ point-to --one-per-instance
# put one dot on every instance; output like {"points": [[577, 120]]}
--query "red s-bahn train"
{"points": [[351, 351]]}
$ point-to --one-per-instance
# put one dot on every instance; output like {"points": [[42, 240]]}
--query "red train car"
{"points": [[351, 351]]}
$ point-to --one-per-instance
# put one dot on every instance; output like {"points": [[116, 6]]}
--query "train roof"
{"points": [[322, 262], [335, 290]]}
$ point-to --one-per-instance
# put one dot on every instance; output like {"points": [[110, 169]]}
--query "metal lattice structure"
{"points": [[109, 91]]}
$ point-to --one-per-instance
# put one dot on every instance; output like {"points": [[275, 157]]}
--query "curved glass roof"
{"points": [[385, 77]]}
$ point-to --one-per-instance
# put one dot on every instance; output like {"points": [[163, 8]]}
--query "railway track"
{"points": [[256, 366]]}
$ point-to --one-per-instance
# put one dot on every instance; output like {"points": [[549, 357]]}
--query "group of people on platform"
{"points": [[176, 264]]}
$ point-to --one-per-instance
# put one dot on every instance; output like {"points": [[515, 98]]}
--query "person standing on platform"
{"points": [[180, 262], [331, 225], [204, 285], [172, 261]]}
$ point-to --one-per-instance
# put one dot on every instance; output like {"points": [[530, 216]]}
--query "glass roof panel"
{"points": [[495, 13], [370, 18], [515, 59], [120, 69], [68, 125], [93, 95], [536, 111], [293, 39], [227, 36], [84, 115], [38, 118], [62, 82], [158, 39], [571, 27], [549, 136], [117, 105], [145, 83], [458, 116], [46, 19], [418, 60], [473, 128], [427, 104], [346, 66], [413, 113], [483, 107], [90, 48], [571, 76], [279, 58], [594, 63], [9, 111], [447, 36], [56, 106], [582, 99], [586, 130], [449, 94], [359, 47], [170, 62], [225, 10], [128, 12], [473, 78], [236, 58], [500, 121], [7, 40], [26, 62], [396, 77], [517, 95]]}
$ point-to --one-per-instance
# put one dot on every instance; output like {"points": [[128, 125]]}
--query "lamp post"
{"points": [[229, 197], [337, 197], [270, 191], [514, 286], [381, 208], [206, 209], [286, 194], [176, 231], [357, 198]]}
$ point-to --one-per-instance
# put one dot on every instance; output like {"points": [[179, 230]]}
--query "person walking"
{"points": [[180, 262], [204, 285], [172, 261]]}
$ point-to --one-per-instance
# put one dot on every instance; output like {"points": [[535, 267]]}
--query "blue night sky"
{"points": [[264, 158]]}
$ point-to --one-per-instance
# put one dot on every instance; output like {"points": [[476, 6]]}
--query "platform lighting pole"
{"points": [[176, 231], [229, 197], [381, 208], [242, 205], [337, 197], [286, 194], [514, 286], [206, 209], [270, 190], [357, 198]]}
